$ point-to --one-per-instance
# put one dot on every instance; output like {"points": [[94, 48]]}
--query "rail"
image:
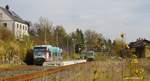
{"points": [[38, 74]]}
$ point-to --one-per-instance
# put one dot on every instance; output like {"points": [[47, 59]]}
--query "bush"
{"points": [[11, 48], [6, 35], [29, 57]]}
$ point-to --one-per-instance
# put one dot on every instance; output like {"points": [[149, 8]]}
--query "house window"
{"points": [[4, 24], [1, 16], [23, 27], [26, 28], [20, 26], [17, 26]]}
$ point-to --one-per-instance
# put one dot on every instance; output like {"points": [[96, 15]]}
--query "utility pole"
{"points": [[57, 37], [122, 35], [45, 39], [1, 16], [67, 49], [74, 43]]}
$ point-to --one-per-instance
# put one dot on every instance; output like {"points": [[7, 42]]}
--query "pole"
{"points": [[67, 49], [45, 35], [1, 16], [122, 36], [73, 40], [57, 37], [122, 61]]}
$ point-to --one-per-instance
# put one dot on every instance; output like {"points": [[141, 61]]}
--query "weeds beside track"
{"points": [[38, 74], [108, 70]]}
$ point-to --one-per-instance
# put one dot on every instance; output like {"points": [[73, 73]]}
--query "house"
{"points": [[141, 47], [13, 22]]}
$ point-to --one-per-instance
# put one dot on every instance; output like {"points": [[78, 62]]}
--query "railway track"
{"points": [[36, 74], [22, 67], [6, 72]]}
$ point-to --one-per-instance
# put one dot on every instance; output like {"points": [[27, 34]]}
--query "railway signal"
{"points": [[79, 48]]}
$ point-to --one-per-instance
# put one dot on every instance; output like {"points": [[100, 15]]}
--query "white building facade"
{"points": [[13, 22]]}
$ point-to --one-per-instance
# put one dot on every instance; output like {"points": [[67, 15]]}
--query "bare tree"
{"points": [[92, 39]]}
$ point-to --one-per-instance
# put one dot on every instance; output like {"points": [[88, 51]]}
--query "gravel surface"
{"points": [[26, 70]]}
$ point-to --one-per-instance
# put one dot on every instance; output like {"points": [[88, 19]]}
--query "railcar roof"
{"points": [[43, 46]]}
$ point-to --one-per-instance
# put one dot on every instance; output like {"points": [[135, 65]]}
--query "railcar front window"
{"points": [[39, 51]]}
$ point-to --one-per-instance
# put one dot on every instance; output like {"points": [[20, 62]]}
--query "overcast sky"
{"points": [[109, 17]]}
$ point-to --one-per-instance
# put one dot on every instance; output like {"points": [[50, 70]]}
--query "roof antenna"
{"points": [[7, 7]]}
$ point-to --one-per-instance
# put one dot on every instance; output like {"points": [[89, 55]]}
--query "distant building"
{"points": [[13, 22], [141, 47]]}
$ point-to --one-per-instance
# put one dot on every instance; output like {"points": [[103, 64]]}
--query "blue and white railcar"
{"points": [[46, 53]]}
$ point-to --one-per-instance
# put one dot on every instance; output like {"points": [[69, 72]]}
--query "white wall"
{"points": [[9, 24], [4, 15], [21, 29], [6, 19]]}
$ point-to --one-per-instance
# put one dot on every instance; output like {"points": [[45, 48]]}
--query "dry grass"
{"points": [[108, 70], [105, 70], [93, 71]]}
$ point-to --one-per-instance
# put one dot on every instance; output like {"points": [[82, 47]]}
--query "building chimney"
{"points": [[7, 7]]}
